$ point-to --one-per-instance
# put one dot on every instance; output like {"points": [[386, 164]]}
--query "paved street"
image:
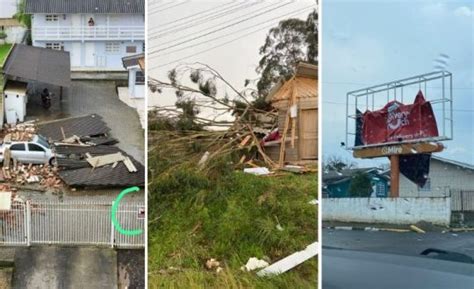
{"points": [[60, 267], [399, 243], [100, 97]]}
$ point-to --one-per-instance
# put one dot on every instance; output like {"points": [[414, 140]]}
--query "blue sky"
{"points": [[366, 43]]}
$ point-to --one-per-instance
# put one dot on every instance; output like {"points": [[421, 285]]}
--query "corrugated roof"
{"points": [[39, 64], [453, 162], [89, 125], [85, 6]]}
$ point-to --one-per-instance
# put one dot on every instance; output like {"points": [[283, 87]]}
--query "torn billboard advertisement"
{"points": [[397, 122]]}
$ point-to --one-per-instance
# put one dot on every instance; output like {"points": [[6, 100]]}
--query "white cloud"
{"points": [[464, 11]]}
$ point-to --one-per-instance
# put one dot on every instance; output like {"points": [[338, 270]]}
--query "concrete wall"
{"points": [[387, 210], [15, 34], [444, 177]]}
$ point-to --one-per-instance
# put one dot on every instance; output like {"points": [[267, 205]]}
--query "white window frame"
{"points": [[54, 45], [112, 47], [51, 17]]}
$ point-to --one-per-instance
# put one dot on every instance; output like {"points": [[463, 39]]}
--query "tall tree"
{"points": [[360, 185], [293, 40]]}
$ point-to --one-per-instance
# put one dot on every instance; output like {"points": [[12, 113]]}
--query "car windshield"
{"points": [[42, 141]]}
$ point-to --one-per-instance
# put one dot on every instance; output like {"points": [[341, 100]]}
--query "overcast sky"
{"points": [[232, 51], [372, 42]]}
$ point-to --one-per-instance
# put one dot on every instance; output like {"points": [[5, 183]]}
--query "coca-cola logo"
{"points": [[397, 118]]}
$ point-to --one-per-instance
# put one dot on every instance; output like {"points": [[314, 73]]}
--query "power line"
{"points": [[198, 22], [222, 36], [160, 9], [191, 16], [225, 43], [219, 29]]}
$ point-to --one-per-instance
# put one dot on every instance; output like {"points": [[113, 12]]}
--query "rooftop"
{"points": [[86, 6]]}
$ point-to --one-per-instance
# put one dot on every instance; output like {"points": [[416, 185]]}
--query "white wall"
{"points": [[387, 210], [444, 177], [15, 34]]}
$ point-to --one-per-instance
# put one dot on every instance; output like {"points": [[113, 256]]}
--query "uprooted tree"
{"points": [[206, 126]]}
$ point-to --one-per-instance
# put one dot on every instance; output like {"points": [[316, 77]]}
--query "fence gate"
{"points": [[71, 223], [462, 201]]}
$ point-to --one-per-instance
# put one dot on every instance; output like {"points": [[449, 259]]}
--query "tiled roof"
{"points": [[85, 6], [89, 125]]}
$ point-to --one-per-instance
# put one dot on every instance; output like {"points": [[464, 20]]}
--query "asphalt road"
{"points": [[411, 244]]}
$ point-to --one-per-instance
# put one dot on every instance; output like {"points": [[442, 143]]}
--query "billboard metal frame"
{"points": [[395, 91]]}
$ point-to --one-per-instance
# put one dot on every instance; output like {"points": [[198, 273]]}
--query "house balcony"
{"points": [[87, 33]]}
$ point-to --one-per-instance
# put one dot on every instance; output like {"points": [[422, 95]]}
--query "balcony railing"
{"points": [[89, 33]]}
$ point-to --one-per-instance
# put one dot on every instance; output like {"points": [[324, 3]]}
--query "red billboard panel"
{"points": [[397, 122]]}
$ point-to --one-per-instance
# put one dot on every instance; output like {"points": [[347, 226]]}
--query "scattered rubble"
{"points": [[254, 264], [291, 261]]}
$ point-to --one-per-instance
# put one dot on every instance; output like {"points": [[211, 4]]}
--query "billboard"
{"points": [[397, 122]]}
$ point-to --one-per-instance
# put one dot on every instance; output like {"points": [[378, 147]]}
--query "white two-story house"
{"points": [[97, 33]]}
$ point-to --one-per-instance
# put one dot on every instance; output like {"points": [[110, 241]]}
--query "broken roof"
{"points": [[304, 84], [89, 125], [85, 6], [39, 64], [106, 176], [133, 60]]}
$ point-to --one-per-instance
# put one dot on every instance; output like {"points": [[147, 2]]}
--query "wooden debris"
{"points": [[103, 160]]}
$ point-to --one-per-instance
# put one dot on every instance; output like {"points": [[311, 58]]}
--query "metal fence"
{"points": [[71, 223], [462, 201]]}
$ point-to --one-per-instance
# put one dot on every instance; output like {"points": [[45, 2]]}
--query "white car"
{"points": [[36, 151]]}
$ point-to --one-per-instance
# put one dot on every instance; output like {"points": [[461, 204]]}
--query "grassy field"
{"points": [[3, 52], [229, 217]]}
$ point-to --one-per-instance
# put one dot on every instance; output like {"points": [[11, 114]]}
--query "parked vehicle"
{"points": [[36, 151]]}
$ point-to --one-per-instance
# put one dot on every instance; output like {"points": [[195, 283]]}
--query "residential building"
{"points": [[297, 103], [445, 178], [337, 184], [134, 94], [98, 34]]}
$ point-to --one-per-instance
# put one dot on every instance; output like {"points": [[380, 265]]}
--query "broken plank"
{"points": [[130, 166], [100, 161], [291, 261]]}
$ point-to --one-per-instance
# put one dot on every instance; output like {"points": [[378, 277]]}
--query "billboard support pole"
{"points": [[394, 176]]}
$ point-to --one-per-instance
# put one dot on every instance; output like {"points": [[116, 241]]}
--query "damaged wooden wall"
{"points": [[301, 125]]}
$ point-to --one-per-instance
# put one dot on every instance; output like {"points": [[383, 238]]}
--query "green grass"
{"points": [[4, 49], [231, 218]]}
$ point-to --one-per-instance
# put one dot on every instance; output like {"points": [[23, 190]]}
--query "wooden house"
{"points": [[297, 103]]}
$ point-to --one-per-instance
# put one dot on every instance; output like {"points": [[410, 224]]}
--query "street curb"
{"points": [[372, 229]]}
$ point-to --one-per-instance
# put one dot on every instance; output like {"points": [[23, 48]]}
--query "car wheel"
{"points": [[52, 161]]}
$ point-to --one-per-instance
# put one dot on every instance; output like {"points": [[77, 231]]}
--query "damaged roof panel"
{"points": [[89, 125], [106, 176]]}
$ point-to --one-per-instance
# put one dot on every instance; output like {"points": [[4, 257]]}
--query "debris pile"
{"points": [[20, 174], [19, 132]]}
